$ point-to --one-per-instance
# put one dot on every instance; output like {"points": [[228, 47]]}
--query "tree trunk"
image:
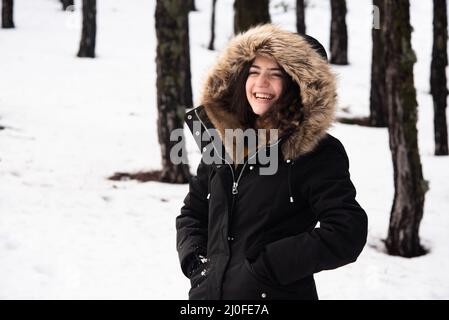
{"points": [[7, 14], [67, 4], [300, 17], [378, 105], [339, 34], [191, 5], [171, 19], [438, 76], [212, 26], [186, 89], [249, 13], [410, 186], [88, 34]]}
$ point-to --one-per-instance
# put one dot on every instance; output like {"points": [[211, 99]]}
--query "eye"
{"points": [[252, 72], [277, 75]]}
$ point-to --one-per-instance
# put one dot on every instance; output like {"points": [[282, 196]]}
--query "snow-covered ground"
{"points": [[66, 232]]}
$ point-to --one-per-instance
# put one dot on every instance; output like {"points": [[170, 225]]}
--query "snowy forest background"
{"points": [[67, 124]]}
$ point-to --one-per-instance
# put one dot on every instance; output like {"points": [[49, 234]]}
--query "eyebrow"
{"points": [[257, 67]]}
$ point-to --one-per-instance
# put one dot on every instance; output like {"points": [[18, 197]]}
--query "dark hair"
{"points": [[279, 115], [238, 103]]}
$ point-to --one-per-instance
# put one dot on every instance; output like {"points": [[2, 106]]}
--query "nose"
{"points": [[262, 80]]}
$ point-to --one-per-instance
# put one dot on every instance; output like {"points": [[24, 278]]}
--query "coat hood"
{"points": [[300, 60]]}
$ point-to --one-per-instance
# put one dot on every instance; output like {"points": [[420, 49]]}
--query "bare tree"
{"points": [[410, 186], [67, 4], [171, 19], [378, 105], [191, 5], [212, 26], [186, 89], [339, 33], [88, 34], [7, 14], [438, 76], [249, 13], [300, 17]]}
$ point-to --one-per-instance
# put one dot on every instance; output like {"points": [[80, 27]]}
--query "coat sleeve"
{"points": [[343, 223], [192, 223]]}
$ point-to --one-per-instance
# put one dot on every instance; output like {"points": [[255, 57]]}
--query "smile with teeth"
{"points": [[264, 96]]}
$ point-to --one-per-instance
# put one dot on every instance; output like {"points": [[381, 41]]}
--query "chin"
{"points": [[260, 110]]}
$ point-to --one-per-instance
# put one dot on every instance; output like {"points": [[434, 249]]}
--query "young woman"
{"points": [[244, 235]]}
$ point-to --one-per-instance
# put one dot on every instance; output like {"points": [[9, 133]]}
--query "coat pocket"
{"points": [[240, 284], [249, 268], [301, 290]]}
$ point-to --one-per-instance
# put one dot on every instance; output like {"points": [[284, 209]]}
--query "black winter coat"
{"points": [[262, 240]]}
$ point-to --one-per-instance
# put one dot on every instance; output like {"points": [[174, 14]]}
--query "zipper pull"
{"points": [[234, 188]]}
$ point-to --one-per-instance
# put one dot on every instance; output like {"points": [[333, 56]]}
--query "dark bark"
{"points": [[378, 105], [339, 33], [88, 34], [186, 89], [300, 17], [171, 18], [7, 14], [67, 4], [212, 26], [249, 13], [438, 79], [191, 5], [410, 186]]}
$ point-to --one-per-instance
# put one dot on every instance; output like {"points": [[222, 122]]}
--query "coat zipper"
{"points": [[235, 183]]}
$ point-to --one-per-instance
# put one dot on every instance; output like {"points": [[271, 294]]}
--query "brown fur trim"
{"points": [[312, 73]]}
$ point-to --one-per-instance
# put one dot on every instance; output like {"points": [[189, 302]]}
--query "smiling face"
{"points": [[264, 84]]}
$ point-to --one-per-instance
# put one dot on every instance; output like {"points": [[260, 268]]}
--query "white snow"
{"points": [[66, 232]]}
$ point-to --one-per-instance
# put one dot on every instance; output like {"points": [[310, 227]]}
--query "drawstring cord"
{"points": [[290, 194], [290, 163], [208, 183]]}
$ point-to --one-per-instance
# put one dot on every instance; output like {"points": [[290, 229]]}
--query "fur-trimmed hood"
{"points": [[297, 57]]}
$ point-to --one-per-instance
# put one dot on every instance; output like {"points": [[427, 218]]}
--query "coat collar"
{"points": [[292, 51]]}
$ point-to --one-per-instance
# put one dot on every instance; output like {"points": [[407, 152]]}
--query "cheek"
{"points": [[278, 88]]}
